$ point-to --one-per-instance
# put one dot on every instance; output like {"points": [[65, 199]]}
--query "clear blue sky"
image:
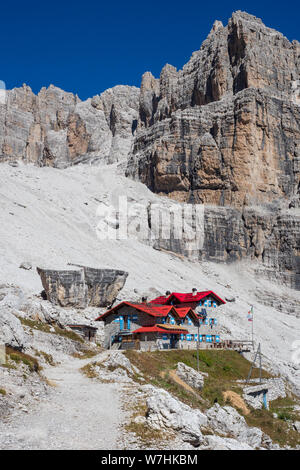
{"points": [[86, 47]]}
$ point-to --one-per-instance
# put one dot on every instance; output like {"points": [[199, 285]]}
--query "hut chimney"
{"points": [[144, 300], [194, 291], [167, 293]]}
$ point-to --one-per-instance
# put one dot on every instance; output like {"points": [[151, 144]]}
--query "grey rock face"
{"points": [[117, 359], [269, 238], [190, 376], [82, 287], [11, 330], [261, 234], [55, 128], [227, 421], [164, 411], [224, 443], [225, 131], [278, 302]]}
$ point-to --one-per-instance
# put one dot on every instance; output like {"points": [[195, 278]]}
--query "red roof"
{"points": [[153, 310], [182, 312], [159, 300], [159, 329], [186, 297]]}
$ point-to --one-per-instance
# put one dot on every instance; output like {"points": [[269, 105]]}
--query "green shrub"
{"points": [[20, 357], [284, 416]]}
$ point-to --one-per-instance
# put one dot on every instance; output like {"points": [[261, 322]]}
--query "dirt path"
{"points": [[79, 413]]}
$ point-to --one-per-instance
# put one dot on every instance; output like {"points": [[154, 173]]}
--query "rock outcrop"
{"points": [[56, 128], [225, 131], [220, 427], [190, 376], [167, 412], [82, 287], [11, 330], [227, 421], [269, 237]]}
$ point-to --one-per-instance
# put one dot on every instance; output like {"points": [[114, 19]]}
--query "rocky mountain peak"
{"points": [[216, 26], [225, 131], [55, 128], [241, 87]]}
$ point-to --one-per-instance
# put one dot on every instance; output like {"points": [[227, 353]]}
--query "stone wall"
{"points": [[272, 388]]}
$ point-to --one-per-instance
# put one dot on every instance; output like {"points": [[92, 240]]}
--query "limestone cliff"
{"points": [[226, 128], [225, 131], [56, 128]]}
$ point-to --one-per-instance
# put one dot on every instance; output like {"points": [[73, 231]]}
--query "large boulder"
{"points": [[83, 286], [166, 412], [190, 376], [11, 330], [118, 360], [227, 421]]}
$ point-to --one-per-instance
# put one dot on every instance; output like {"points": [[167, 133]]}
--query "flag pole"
{"points": [[252, 326]]}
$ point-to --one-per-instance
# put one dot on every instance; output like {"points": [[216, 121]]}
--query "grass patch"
{"points": [[89, 371], [21, 358], [284, 407], [279, 430], [37, 325], [8, 365], [87, 353], [2, 391]]}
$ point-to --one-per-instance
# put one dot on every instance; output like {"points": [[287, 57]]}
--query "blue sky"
{"points": [[86, 47]]}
